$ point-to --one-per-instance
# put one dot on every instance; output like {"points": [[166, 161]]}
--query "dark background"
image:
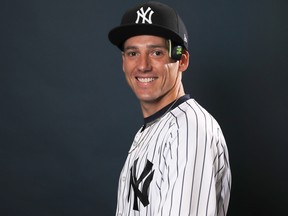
{"points": [[67, 117]]}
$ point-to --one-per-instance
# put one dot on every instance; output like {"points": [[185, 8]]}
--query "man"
{"points": [[178, 163]]}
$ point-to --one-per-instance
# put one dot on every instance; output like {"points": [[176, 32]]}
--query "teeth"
{"points": [[145, 80]]}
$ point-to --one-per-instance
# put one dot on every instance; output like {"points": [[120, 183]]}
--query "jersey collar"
{"points": [[161, 112]]}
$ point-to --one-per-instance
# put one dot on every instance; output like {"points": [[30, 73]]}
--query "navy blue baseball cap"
{"points": [[150, 18]]}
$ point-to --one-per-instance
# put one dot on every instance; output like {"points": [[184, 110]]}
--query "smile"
{"points": [[145, 80]]}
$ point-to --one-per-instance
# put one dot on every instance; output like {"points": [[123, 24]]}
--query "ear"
{"points": [[184, 61]]}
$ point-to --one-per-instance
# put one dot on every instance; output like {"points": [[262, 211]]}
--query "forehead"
{"points": [[145, 40]]}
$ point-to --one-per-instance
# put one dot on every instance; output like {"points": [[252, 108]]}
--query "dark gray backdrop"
{"points": [[67, 117]]}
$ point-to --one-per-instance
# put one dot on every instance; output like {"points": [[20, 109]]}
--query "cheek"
{"points": [[127, 73], [126, 67], [171, 71], [124, 64]]}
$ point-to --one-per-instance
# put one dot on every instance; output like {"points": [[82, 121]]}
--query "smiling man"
{"points": [[154, 77], [178, 163]]}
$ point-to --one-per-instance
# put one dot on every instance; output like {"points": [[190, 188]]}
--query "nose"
{"points": [[144, 64]]}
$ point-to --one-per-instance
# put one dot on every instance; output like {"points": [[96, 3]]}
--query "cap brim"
{"points": [[120, 34]]}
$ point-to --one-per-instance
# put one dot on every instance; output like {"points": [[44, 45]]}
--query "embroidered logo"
{"points": [[146, 174], [143, 14], [179, 50]]}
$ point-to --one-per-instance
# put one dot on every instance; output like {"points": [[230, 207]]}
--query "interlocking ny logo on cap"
{"points": [[143, 14]]}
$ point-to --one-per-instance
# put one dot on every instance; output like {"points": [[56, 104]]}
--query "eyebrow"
{"points": [[148, 46]]}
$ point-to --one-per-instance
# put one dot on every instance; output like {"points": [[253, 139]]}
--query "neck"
{"points": [[149, 108]]}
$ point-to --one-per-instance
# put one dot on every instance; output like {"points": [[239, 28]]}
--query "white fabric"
{"points": [[191, 172]]}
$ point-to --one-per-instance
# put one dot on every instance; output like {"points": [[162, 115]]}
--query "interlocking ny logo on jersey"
{"points": [[143, 14], [146, 174]]}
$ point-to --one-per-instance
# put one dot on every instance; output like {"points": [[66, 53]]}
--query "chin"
{"points": [[146, 98]]}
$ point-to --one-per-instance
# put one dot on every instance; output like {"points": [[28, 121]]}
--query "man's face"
{"points": [[153, 76]]}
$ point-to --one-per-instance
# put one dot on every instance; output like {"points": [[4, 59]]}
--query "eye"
{"points": [[131, 53], [157, 53]]}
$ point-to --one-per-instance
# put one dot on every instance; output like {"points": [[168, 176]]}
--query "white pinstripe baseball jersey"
{"points": [[176, 166]]}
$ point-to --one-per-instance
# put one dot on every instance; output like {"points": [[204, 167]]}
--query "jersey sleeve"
{"points": [[195, 169]]}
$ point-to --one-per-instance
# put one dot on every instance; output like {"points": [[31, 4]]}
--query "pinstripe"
{"points": [[207, 205], [196, 153], [164, 158], [183, 178], [177, 170], [204, 157], [189, 155]]}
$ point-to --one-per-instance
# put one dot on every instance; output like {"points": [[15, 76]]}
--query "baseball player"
{"points": [[178, 163]]}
